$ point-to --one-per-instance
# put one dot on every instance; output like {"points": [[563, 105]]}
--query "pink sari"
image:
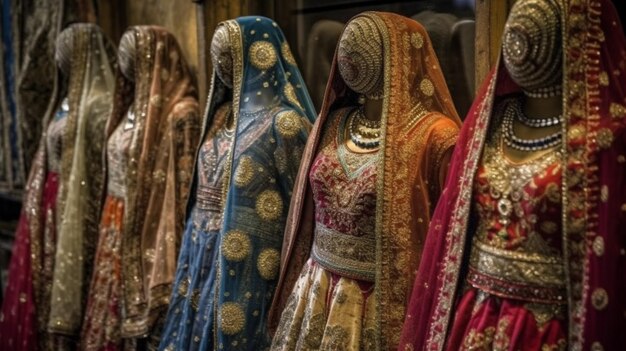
{"points": [[593, 197]]}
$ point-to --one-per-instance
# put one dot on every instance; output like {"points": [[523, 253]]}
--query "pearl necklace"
{"points": [[364, 133], [535, 122], [529, 145]]}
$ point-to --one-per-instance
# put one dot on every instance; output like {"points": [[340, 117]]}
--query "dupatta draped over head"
{"points": [[419, 126], [90, 95], [165, 134], [593, 191], [272, 117]]}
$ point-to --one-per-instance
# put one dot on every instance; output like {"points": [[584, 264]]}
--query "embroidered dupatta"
{"points": [[82, 177], [165, 135], [420, 126], [272, 114], [593, 191]]}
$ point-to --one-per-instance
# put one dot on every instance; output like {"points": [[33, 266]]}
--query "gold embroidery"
{"points": [[544, 313], [427, 87], [604, 78], [576, 132], [286, 51], [195, 299], [501, 340], [417, 40], [596, 346], [604, 193], [475, 340], [335, 338], [288, 123], [262, 55], [617, 110], [561, 345], [598, 246], [599, 299], [245, 171], [369, 339], [290, 93], [156, 101], [548, 227], [184, 287], [268, 263], [604, 138], [314, 330], [232, 318], [269, 205], [236, 246]]}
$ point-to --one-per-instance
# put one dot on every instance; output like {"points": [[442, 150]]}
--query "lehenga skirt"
{"points": [[102, 323], [326, 311], [487, 322], [190, 321], [26, 306]]}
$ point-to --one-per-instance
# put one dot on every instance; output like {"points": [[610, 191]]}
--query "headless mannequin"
{"points": [[525, 39], [359, 57], [222, 60], [126, 57], [63, 60]]}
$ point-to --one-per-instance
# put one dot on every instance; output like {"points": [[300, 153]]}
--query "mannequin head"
{"points": [[126, 54], [531, 46], [63, 53], [360, 57], [221, 56]]}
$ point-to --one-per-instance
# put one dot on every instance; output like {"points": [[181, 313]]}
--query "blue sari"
{"points": [[230, 255]]}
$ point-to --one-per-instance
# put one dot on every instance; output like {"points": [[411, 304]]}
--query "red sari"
{"points": [[591, 247]]}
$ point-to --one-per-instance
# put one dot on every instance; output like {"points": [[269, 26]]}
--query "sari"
{"points": [[163, 99], [591, 192], [82, 178], [419, 126], [228, 265], [27, 305]]}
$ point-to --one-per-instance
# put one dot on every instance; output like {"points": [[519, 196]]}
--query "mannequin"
{"points": [[150, 140], [342, 255], [256, 125]]}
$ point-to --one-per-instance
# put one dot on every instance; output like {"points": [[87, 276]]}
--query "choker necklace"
{"points": [[528, 145], [535, 122], [364, 133], [546, 92]]}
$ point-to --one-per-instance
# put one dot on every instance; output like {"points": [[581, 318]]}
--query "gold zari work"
{"points": [[599, 299], [605, 138], [232, 318], [268, 263], [286, 51], [427, 87], [236, 246], [245, 171], [262, 55], [269, 205], [617, 110], [288, 123]]}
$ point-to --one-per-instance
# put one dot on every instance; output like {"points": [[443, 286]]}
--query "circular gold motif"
{"points": [[268, 263], [599, 299], [245, 171], [269, 205], [262, 55], [605, 138], [286, 51], [417, 40], [288, 123], [236, 246], [290, 93], [232, 318], [427, 87]]}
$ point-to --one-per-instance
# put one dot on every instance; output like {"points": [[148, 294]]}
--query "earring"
{"points": [[361, 99]]}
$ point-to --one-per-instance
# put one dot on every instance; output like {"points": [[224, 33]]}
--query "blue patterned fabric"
{"points": [[226, 278]]}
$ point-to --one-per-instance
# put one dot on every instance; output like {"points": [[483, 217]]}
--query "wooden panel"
{"points": [[176, 15], [490, 19]]}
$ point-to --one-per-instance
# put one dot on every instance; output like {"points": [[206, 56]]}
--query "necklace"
{"points": [[364, 133], [535, 122], [521, 144]]}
